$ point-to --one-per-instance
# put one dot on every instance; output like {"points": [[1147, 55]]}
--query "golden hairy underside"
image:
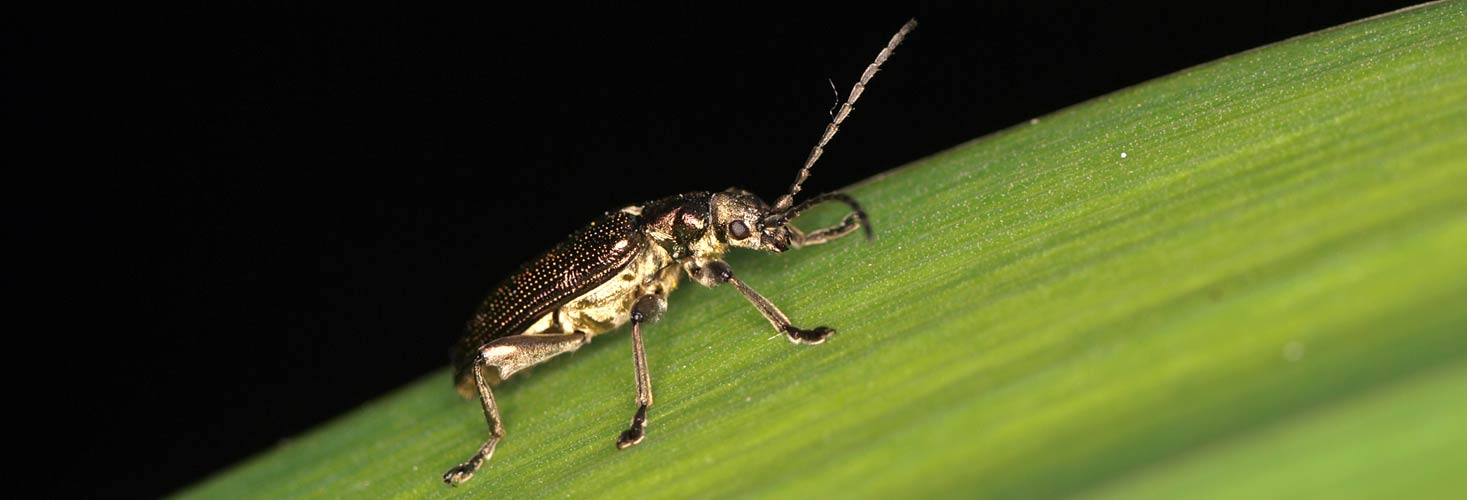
{"points": [[650, 271], [587, 259]]}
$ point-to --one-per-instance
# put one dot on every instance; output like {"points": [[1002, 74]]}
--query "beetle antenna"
{"points": [[845, 110], [835, 104], [780, 218]]}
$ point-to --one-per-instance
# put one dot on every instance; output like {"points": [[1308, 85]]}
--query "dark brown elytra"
{"points": [[621, 267]]}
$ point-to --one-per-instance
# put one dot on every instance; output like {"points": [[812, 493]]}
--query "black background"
{"points": [[236, 222]]}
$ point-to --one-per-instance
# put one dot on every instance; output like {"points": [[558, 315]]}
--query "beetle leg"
{"points": [[647, 310], [849, 224], [464, 471], [717, 272], [509, 355]]}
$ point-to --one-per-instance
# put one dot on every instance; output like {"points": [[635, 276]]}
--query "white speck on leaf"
{"points": [[1123, 154], [1293, 351]]}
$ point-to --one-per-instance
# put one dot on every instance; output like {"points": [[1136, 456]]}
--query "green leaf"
{"points": [[1246, 279]]}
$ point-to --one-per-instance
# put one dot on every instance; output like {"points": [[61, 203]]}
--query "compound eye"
{"points": [[738, 229]]}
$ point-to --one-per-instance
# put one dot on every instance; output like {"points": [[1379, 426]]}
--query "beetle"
{"points": [[620, 269]]}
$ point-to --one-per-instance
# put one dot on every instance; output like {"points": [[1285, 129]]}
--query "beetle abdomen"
{"points": [[588, 258]]}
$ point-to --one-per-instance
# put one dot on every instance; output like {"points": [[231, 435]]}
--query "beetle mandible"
{"points": [[621, 267]]}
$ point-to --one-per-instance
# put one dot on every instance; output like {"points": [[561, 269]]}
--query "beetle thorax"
{"points": [[708, 247], [680, 225]]}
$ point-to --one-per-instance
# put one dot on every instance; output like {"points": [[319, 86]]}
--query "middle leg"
{"points": [[648, 309]]}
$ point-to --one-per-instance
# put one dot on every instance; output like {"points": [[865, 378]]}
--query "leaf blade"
{"points": [[1041, 314]]}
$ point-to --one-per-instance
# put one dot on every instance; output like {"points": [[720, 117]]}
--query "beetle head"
{"points": [[743, 220]]}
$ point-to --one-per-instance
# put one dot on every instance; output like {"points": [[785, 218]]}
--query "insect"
{"points": [[621, 267]]}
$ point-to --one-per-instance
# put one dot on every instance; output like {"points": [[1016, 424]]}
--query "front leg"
{"points": [[717, 272]]}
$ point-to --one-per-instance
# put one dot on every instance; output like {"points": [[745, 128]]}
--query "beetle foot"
{"points": [[811, 337], [629, 437], [459, 474], [635, 434], [465, 471]]}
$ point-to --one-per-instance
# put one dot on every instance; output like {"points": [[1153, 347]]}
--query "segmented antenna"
{"points": [[840, 116]]}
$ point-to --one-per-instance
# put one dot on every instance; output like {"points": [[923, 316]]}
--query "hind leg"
{"points": [[509, 355]]}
